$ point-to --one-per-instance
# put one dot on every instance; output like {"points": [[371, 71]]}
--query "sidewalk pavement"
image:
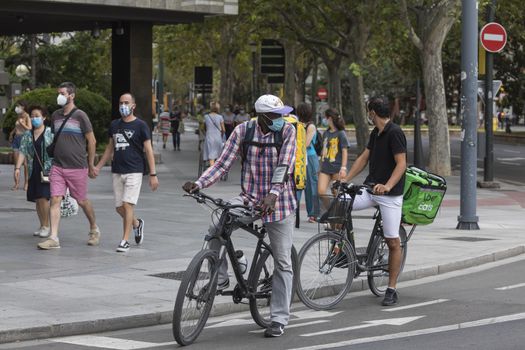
{"points": [[81, 289]]}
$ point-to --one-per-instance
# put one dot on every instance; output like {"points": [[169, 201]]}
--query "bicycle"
{"points": [[199, 284], [329, 261]]}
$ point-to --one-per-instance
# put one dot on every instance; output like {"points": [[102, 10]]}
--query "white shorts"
{"points": [[389, 206], [126, 188]]}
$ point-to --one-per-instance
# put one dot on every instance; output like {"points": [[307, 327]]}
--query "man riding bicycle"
{"points": [[267, 161], [386, 156]]}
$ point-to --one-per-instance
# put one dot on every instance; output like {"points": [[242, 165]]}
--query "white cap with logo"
{"points": [[271, 104]]}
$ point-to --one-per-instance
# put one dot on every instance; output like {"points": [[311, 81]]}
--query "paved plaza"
{"points": [[82, 289]]}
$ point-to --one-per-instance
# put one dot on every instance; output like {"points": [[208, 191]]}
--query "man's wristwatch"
{"points": [[152, 175]]}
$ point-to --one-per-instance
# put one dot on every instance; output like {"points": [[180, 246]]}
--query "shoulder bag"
{"points": [[44, 176], [51, 148]]}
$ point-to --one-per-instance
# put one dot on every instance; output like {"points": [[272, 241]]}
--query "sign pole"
{"points": [[418, 145], [467, 219], [488, 168]]}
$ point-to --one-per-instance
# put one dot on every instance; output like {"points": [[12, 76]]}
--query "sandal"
{"points": [[312, 219]]}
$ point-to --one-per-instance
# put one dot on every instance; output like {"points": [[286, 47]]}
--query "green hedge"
{"points": [[97, 108]]}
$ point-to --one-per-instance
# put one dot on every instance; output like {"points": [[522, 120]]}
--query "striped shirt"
{"points": [[258, 169]]}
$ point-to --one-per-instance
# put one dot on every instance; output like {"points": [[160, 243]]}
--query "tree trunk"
{"points": [[289, 72], [359, 111], [226, 85], [33, 61], [313, 90], [436, 112], [334, 85]]}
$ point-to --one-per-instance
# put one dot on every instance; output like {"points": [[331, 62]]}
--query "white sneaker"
{"points": [[44, 232], [37, 232]]}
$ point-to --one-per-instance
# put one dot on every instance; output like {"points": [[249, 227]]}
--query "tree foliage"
{"points": [[96, 107]]}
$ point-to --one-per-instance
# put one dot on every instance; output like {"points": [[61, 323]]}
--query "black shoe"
{"points": [[223, 285], [123, 247], [139, 231], [275, 330], [390, 297]]}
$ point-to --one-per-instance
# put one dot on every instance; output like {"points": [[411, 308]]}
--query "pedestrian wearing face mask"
{"points": [[22, 124], [335, 151], [129, 140], [241, 117], [33, 149], [255, 144], [72, 165]]}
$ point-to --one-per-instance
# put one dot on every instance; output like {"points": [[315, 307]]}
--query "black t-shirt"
{"points": [[175, 121], [383, 147], [128, 158]]}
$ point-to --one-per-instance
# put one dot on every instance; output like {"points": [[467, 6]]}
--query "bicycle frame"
{"points": [[226, 227]]}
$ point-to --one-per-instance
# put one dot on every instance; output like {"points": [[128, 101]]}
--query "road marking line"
{"points": [[308, 314], [416, 305], [391, 321], [452, 327], [510, 159], [519, 285], [109, 343], [295, 325]]}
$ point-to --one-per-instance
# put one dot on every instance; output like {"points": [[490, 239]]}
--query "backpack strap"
{"points": [[248, 140]]}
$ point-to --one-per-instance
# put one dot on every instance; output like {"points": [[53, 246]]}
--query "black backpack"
{"points": [[248, 140], [318, 145]]}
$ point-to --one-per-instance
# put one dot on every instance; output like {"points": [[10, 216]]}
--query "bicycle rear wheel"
{"points": [[327, 264], [195, 297], [378, 262], [261, 284]]}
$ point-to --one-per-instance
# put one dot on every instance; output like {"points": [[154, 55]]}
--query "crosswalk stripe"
{"points": [[295, 325], [519, 285], [109, 343], [415, 305]]}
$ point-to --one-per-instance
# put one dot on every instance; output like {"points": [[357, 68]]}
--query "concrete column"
{"points": [[132, 62]]}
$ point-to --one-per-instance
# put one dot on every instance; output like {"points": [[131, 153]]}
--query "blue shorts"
{"points": [[15, 145]]}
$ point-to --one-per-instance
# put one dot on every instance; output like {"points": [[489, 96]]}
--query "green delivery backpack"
{"points": [[422, 196]]}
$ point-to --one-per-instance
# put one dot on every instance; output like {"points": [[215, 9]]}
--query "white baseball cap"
{"points": [[271, 104]]}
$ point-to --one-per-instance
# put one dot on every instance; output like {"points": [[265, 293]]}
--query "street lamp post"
{"points": [[253, 48]]}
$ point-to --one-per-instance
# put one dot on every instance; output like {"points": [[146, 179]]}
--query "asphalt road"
{"points": [[509, 160], [479, 308]]}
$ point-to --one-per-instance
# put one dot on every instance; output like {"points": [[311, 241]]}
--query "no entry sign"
{"points": [[493, 37], [322, 93]]}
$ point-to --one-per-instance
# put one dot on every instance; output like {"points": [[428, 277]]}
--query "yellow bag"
{"points": [[299, 173]]}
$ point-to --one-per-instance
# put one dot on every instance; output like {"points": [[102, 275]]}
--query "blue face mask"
{"points": [[324, 121], [125, 110], [276, 125], [37, 121]]}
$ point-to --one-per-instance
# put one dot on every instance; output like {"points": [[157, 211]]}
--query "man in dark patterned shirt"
{"points": [[277, 200]]}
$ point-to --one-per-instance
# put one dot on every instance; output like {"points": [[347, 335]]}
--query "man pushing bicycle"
{"points": [[386, 156], [266, 147]]}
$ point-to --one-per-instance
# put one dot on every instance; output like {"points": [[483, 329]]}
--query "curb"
{"points": [[164, 317]]}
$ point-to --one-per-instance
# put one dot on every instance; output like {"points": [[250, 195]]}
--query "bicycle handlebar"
{"points": [[350, 188], [201, 197]]}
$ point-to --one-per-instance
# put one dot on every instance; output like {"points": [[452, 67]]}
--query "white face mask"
{"points": [[19, 110], [61, 100]]}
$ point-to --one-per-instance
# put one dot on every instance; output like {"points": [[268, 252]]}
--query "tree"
{"points": [[335, 31], [509, 64], [433, 21]]}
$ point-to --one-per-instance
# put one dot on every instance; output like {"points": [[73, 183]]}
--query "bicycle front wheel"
{"points": [[377, 264], [195, 297], [327, 265]]}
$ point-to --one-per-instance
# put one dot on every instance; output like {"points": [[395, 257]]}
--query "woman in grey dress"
{"points": [[214, 128]]}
